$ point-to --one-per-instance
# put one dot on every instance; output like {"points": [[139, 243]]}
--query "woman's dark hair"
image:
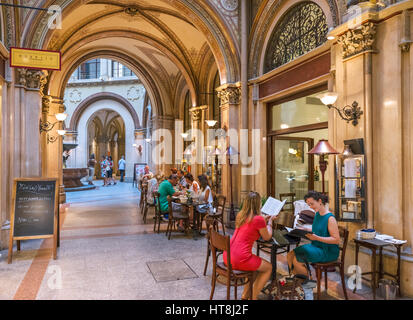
{"points": [[189, 176], [203, 181], [316, 196], [174, 170], [92, 156]]}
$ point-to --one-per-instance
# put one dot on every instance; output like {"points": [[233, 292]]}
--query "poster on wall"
{"points": [[138, 169]]}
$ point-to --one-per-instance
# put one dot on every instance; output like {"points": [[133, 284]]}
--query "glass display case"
{"points": [[350, 188]]}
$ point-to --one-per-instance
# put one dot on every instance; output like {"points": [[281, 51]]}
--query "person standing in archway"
{"points": [[121, 166], [91, 165], [103, 168]]}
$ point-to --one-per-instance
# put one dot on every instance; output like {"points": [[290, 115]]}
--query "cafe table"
{"points": [[374, 245], [275, 248], [196, 217]]}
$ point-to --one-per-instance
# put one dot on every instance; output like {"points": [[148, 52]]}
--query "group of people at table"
{"points": [[178, 184], [252, 225]]}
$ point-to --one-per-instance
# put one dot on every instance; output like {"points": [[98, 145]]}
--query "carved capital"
{"points": [[359, 40], [405, 45], [196, 112], [32, 79], [230, 95]]}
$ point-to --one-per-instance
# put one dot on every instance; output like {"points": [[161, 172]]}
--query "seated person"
{"points": [[153, 185], [182, 182], [205, 196], [193, 186], [325, 237], [166, 188], [250, 225], [146, 175]]}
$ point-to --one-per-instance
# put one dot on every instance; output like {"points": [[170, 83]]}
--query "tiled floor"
{"points": [[104, 253]]}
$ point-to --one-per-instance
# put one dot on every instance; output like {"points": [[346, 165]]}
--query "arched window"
{"points": [[187, 116], [302, 29]]}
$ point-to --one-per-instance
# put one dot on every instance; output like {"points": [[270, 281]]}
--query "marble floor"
{"points": [[107, 252]]}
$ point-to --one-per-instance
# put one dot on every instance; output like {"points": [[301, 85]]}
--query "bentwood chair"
{"points": [[211, 224], [332, 266], [235, 278], [218, 216], [175, 216], [158, 213]]}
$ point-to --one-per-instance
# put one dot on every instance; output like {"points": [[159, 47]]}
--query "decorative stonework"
{"points": [[230, 5], [196, 112], [405, 45], [46, 100], [32, 79], [230, 95], [135, 93], [359, 40], [132, 11], [75, 96]]}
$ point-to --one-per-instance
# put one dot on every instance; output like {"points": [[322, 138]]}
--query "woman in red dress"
{"points": [[250, 225]]}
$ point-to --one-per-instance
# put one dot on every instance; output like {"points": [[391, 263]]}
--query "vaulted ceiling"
{"points": [[170, 44]]}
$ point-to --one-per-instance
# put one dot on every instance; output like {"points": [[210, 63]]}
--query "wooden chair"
{"points": [[141, 200], [174, 217], [211, 223], [331, 266], [233, 277], [146, 208], [219, 205], [144, 196], [289, 204], [158, 213]]}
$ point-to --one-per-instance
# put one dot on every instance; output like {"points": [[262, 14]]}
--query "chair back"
{"points": [[289, 204], [219, 203], [344, 240], [156, 196], [221, 243]]}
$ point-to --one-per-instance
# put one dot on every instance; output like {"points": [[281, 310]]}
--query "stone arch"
{"points": [[58, 80], [86, 116], [272, 13], [202, 15], [74, 120]]}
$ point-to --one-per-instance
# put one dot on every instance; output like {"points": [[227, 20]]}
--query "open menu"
{"points": [[297, 232], [272, 206]]}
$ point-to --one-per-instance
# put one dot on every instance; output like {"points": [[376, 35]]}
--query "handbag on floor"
{"points": [[285, 288]]}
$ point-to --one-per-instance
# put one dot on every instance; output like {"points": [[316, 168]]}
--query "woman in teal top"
{"points": [[325, 237]]}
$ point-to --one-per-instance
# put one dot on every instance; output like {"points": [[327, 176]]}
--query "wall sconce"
{"points": [[47, 126], [140, 149], [211, 123], [184, 135], [148, 140], [51, 139], [349, 113]]}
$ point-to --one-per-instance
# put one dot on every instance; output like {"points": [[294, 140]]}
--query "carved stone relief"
{"points": [[75, 96], [356, 41], [31, 79], [230, 95], [135, 93]]}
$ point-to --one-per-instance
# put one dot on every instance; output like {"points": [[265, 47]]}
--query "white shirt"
{"points": [[210, 198], [121, 164], [191, 188]]}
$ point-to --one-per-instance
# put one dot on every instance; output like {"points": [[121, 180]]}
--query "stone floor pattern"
{"points": [[107, 252]]}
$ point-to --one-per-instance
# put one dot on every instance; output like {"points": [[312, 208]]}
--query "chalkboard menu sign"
{"points": [[34, 211]]}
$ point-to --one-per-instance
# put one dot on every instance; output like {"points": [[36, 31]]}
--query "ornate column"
{"points": [[52, 142], [29, 84], [230, 98], [198, 124], [141, 148]]}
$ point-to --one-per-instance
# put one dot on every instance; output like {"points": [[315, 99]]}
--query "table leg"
{"points": [[274, 262], [194, 221], [374, 271], [398, 269], [357, 261], [380, 265]]}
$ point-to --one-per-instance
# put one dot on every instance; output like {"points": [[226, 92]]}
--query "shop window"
{"points": [[302, 29], [299, 112]]}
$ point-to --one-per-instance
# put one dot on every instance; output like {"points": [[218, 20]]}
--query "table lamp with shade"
{"points": [[322, 149]]}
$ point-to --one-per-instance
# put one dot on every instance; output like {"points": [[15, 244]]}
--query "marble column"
{"points": [[229, 95]]}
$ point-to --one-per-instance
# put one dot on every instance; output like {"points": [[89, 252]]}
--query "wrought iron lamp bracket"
{"points": [[349, 113], [46, 126]]}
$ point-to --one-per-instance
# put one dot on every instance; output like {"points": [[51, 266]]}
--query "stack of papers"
{"points": [[390, 239]]}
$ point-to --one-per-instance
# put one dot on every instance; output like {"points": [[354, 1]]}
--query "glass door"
{"points": [[291, 166]]}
